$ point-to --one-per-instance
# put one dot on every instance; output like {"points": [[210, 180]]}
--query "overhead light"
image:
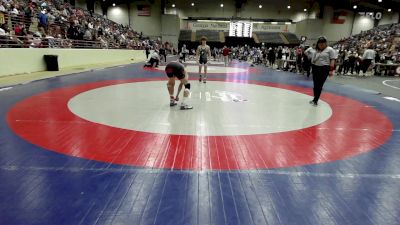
{"points": [[287, 23], [173, 5], [260, 6], [192, 3], [379, 0], [288, 6], [222, 5], [389, 10], [274, 23], [355, 7], [305, 10], [113, 4]]}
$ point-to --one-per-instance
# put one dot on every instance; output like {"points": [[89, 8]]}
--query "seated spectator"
{"points": [[2, 8]]}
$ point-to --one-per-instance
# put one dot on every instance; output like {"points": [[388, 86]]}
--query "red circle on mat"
{"points": [[46, 121]]}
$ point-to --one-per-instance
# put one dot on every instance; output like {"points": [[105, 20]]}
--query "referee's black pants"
{"points": [[366, 64], [320, 74]]}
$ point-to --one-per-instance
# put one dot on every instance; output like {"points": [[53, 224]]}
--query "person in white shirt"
{"points": [[2, 9], [367, 59], [323, 65], [154, 59], [310, 52]]}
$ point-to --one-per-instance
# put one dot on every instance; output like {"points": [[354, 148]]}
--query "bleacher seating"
{"points": [[212, 36], [185, 35], [292, 38], [270, 38]]}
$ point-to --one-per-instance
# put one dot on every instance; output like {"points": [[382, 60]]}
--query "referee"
{"points": [[323, 61]]}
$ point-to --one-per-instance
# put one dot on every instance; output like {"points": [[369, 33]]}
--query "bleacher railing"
{"points": [[13, 41]]}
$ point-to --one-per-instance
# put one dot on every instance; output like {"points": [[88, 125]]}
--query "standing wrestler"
{"points": [[203, 53]]}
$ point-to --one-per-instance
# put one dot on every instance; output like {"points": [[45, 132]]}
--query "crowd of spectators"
{"points": [[383, 43], [61, 25], [376, 51]]}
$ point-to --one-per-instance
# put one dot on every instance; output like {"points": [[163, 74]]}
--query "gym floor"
{"points": [[104, 147]]}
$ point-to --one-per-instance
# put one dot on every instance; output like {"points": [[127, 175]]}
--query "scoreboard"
{"points": [[241, 29]]}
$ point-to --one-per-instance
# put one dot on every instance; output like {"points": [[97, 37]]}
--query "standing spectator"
{"points": [[368, 58], [183, 51], [271, 57], [358, 63], [349, 66], [299, 58], [340, 61], [377, 60], [306, 64], [28, 15], [324, 65], [225, 53], [163, 53], [279, 58], [43, 19], [147, 50]]}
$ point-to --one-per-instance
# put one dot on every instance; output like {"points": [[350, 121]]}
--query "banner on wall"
{"points": [[256, 27], [208, 26], [264, 27], [143, 10]]}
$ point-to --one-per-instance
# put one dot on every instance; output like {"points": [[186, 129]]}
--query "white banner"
{"points": [[264, 27], [208, 26]]}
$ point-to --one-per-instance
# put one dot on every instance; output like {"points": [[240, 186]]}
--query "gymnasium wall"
{"points": [[170, 28], [31, 60], [128, 15], [361, 23], [119, 14], [149, 25], [389, 18]]}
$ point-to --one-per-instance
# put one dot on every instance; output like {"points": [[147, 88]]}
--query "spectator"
{"points": [[43, 19], [367, 59], [2, 8]]}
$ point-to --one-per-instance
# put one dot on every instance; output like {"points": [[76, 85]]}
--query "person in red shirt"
{"points": [[225, 53], [18, 29]]}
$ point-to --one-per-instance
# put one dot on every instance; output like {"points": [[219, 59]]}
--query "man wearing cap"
{"points": [[323, 61]]}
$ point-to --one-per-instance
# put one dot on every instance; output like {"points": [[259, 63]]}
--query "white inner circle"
{"points": [[211, 69], [220, 109]]}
